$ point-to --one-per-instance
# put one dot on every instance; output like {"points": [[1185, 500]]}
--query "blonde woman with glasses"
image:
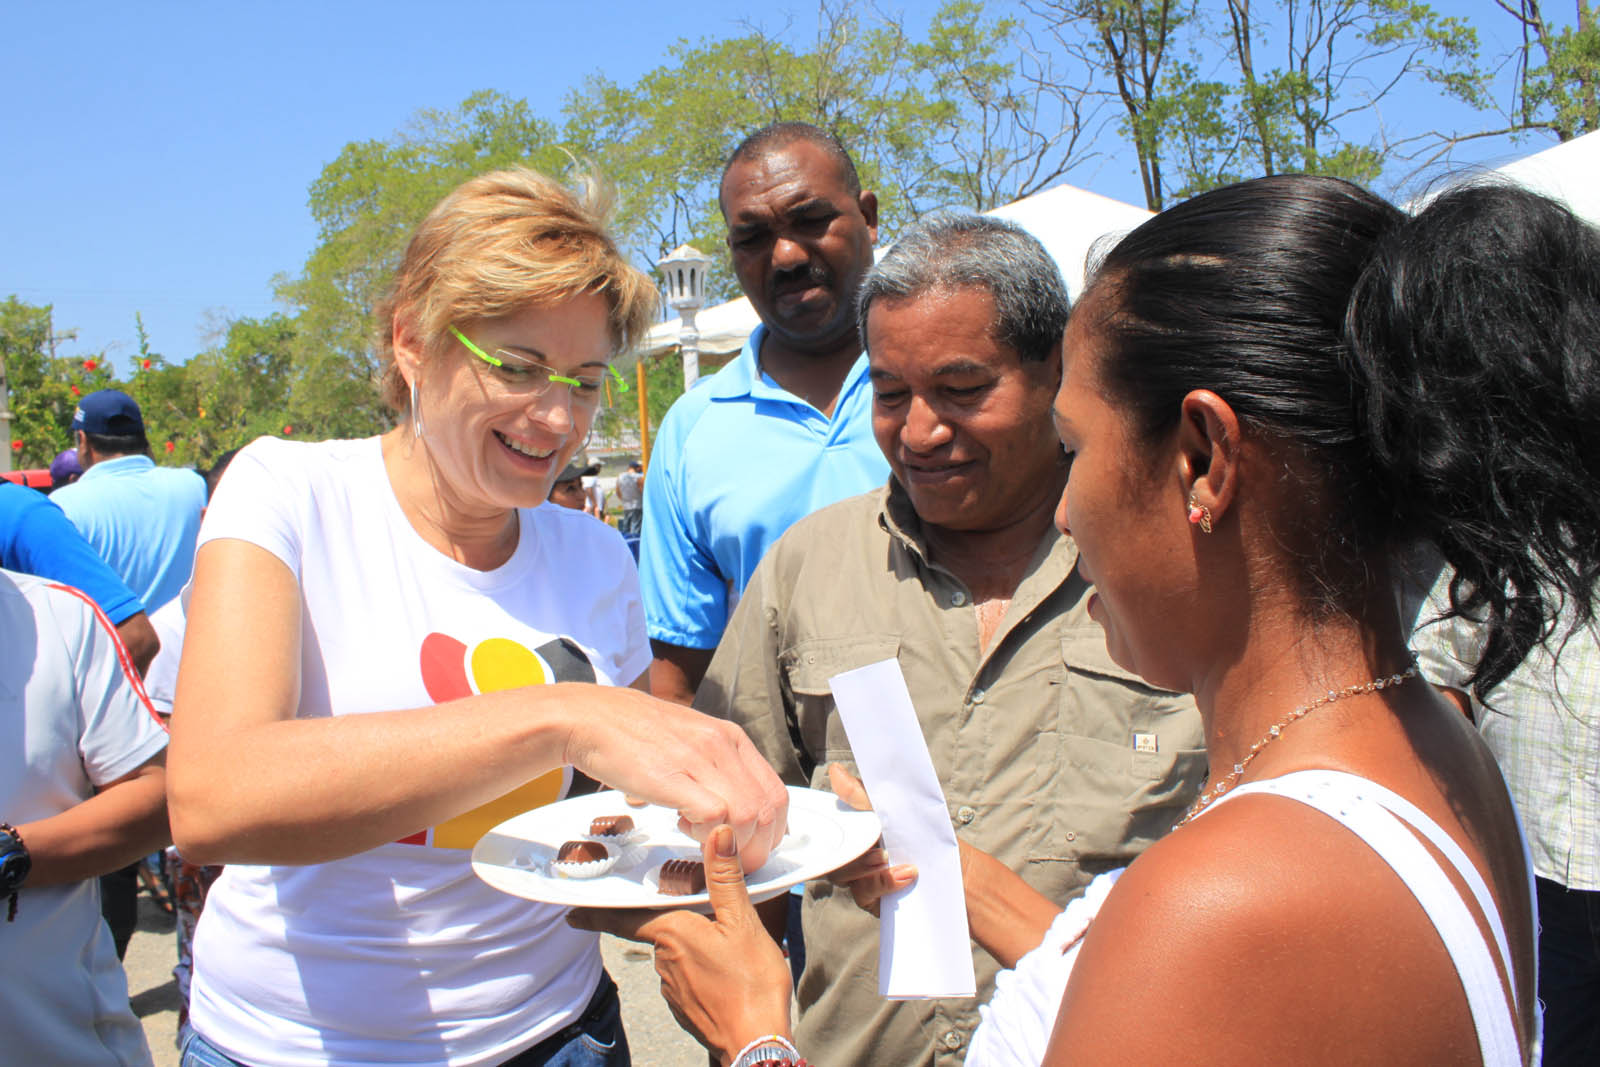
{"points": [[394, 644]]}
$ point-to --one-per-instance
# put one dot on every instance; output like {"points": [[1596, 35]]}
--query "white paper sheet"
{"points": [[923, 949]]}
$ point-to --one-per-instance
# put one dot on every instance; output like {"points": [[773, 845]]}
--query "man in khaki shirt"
{"points": [[1053, 759]]}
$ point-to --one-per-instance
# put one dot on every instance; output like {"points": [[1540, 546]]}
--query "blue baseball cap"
{"points": [[110, 412]]}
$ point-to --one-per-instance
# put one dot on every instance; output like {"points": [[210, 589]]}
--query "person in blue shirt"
{"points": [[36, 538], [784, 429], [142, 519]]}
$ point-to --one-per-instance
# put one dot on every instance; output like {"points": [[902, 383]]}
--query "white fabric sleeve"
{"points": [[161, 677], [1446, 650], [118, 729], [260, 500], [1015, 1025]]}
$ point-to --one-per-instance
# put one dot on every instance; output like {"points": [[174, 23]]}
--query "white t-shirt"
{"points": [[400, 955], [161, 677], [74, 719]]}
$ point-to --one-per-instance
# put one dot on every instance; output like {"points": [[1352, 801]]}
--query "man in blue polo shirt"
{"points": [[784, 429], [142, 519]]}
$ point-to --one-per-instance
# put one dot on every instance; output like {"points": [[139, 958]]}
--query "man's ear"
{"points": [[86, 456], [1209, 452], [867, 201]]}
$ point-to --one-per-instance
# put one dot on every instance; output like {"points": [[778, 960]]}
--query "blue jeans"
{"points": [[1569, 974], [595, 1040], [196, 1051]]}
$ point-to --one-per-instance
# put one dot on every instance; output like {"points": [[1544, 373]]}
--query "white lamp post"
{"points": [[685, 271]]}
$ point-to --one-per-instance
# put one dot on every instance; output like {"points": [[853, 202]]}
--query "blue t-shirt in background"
{"points": [[37, 538], [738, 460]]}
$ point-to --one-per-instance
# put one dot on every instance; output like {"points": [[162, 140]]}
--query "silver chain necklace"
{"points": [[1276, 731]]}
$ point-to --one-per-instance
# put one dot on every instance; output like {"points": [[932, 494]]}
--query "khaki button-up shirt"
{"points": [[1053, 759]]}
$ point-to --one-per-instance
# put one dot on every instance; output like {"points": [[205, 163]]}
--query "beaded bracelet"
{"points": [[747, 1055]]}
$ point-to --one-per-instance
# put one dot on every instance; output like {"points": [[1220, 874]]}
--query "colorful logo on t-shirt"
{"points": [[451, 670]]}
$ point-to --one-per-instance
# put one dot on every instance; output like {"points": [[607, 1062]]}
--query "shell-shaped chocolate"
{"points": [[611, 825], [680, 878]]}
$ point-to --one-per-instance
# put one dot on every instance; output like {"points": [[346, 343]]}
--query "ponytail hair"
{"points": [[1431, 380], [1475, 334]]}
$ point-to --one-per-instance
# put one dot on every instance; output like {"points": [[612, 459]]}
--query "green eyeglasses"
{"points": [[519, 374]]}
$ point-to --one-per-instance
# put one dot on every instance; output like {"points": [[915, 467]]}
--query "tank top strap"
{"points": [[1380, 818]]}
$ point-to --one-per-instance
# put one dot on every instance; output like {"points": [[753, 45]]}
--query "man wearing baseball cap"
{"points": [[141, 518], [568, 489]]}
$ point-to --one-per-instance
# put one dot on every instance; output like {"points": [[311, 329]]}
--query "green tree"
{"points": [[1133, 52], [1008, 121], [663, 140], [44, 388], [225, 397], [1557, 82], [1214, 95], [1341, 59], [966, 115]]}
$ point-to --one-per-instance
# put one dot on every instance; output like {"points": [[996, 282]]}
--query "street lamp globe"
{"points": [[684, 269]]}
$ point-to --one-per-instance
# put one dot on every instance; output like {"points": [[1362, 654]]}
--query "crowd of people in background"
{"points": [[1245, 606]]}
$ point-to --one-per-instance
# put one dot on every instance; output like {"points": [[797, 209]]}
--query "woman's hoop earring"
{"points": [[416, 413], [1199, 515]]}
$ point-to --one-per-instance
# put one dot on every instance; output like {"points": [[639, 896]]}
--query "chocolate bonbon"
{"points": [[582, 852], [680, 878], [611, 826]]}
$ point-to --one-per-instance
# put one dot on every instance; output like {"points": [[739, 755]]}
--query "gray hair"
{"points": [[950, 251]]}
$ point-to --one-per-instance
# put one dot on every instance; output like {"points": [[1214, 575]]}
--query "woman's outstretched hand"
{"points": [[724, 978], [704, 768], [869, 878]]}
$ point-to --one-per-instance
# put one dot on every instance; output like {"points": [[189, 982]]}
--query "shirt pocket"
{"points": [[815, 726], [1129, 759]]}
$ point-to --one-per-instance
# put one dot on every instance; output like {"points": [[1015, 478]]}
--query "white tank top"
{"points": [[1017, 1023], [1380, 817]]}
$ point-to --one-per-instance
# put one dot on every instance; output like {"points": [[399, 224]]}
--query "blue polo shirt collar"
{"points": [[742, 378], [114, 468]]}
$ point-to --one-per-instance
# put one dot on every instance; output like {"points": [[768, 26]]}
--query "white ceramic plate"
{"points": [[514, 857]]}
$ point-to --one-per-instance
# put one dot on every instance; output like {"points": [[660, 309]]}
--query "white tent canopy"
{"points": [[1569, 172], [1068, 221]]}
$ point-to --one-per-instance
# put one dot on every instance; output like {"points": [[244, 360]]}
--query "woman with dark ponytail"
{"points": [[1477, 331], [1270, 393]]}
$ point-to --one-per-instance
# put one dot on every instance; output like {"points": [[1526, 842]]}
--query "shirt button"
{"points": [[952, 1039], [977, 696], [1072, 835], [966, 814], [958, 598]]}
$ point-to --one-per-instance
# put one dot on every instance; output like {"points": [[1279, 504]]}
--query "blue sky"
{"points": [[157, 156]]}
